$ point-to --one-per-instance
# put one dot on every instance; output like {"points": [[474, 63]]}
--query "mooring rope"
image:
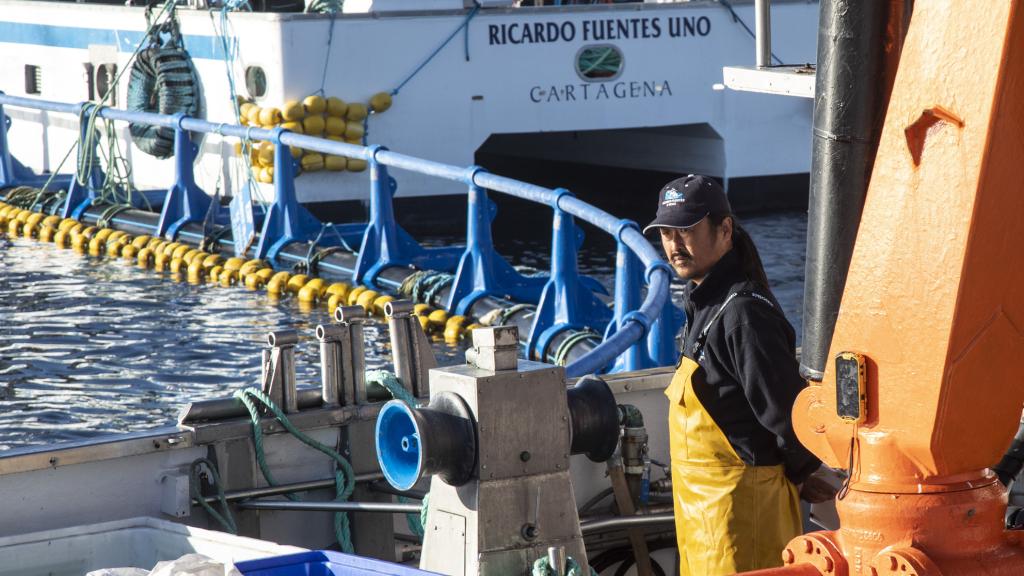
{"points": [[227, 520], [344, 476]]}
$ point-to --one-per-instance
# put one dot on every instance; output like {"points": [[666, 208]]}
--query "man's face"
{"points": [[693, 251]]}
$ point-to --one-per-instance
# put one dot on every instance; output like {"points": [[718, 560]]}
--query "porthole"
{"points": [[599, 63], [255, 82]]}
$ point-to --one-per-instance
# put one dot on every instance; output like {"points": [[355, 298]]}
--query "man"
{"points": [[736, 462]]}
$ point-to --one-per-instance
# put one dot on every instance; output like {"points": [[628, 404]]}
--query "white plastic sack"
{"points": [[194, 565]]}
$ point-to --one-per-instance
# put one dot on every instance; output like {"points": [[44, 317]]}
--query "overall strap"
{"points": [[698, 345]]}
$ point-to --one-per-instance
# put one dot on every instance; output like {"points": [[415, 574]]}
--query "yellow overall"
{"points": [[730, 517]]}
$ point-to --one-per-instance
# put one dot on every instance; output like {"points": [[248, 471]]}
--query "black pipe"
{"points": [[338, 267], [858, 50]]}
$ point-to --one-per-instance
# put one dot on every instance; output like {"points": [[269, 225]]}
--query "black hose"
{"points": [[595, 500]]}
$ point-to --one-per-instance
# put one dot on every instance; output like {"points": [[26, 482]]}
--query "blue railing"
{"points": [[641, 329]]}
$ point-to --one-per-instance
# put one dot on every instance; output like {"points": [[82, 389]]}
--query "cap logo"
{"points": [[672, 196]]}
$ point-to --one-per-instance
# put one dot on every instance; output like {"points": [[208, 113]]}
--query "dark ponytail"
{"points": [[743, 244]]}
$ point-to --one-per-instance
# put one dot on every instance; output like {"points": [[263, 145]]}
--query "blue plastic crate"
{"points": [[324, 563]]}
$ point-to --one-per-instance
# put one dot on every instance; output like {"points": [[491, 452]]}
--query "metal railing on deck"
{"points": [[641, 330]]}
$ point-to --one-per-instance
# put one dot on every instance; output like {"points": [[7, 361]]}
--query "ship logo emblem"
{"points": [[672, 196]]}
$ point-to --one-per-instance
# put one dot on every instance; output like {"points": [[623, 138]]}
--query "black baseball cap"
{"points": [[685, 201]]}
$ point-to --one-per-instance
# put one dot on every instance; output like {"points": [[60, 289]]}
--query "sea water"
{"points": [[93, 346]]}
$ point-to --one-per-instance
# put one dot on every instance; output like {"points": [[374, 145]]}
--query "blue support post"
{"points": [[185, 201], [567, 302], [482, 271], [385, 243], [286, 220], [661, 339], [628, 282], [80, 196], [7, 179]]}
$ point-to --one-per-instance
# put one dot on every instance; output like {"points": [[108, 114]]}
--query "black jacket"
{"points": [[750, 373]]}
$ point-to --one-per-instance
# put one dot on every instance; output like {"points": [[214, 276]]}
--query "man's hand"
{"points": [[822, 485]]}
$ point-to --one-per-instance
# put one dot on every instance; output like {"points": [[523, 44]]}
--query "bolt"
{"points": [[483, 466], [558, 466], [524, 456], [53, 461], [529, 531], [970, 513]]}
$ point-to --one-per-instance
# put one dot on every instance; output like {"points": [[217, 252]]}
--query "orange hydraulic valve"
{"points": [[930, 334]]}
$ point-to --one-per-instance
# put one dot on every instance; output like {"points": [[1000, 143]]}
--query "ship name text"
{"points": [[598, 30]]}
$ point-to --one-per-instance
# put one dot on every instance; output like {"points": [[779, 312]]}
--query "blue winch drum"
{"points": [[416, 442], [398, 445]]}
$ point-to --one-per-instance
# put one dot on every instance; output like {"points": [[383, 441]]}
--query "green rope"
{"points": [[227, 520], [117, 185], [21, 196], [109, 213], [87, 160], [210, 241], [562, 352], [59, 166], [52, 201], [405, 289], [541, 567], [426, 287], [392, 384], [229, 48], [505, 313], [314, 256], [344, 477]]}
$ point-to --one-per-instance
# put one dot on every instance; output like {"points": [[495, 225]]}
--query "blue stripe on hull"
{"points": [[207, 47]]}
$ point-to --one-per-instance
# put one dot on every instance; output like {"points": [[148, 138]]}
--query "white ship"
{"points": [[469, 81]]}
